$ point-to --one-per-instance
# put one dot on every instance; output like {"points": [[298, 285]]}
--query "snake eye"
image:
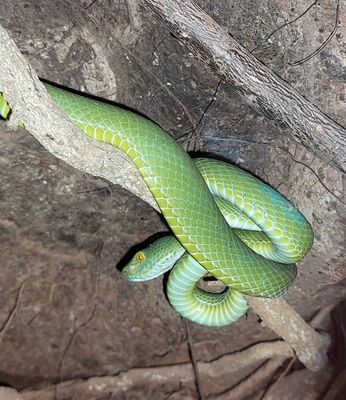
{"points": [[140, 256]]}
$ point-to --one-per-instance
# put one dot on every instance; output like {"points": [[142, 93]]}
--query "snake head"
{"points": [[154, 260], [138, 269]]}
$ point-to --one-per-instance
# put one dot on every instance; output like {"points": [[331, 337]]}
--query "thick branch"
{"points": [[31, 104], [310, 347], [45, 121], [256, 83]]}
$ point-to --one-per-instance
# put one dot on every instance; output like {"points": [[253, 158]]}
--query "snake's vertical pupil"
{"points": [[140, 257]]}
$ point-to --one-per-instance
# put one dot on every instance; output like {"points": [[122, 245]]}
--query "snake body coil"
{"points": [[226, 222]]}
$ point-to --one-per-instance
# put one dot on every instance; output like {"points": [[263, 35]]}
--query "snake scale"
{"points": [[226, 223]]}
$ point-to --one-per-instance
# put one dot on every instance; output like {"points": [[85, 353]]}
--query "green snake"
{"points": [[226, 223]]}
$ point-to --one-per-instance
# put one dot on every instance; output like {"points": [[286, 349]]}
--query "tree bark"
{"points": [[32, 106], [255, 83]]}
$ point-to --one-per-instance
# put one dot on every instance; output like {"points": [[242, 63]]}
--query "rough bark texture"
{"points": [[309, 346], [66, 314], [32, 106], [256, 83]]}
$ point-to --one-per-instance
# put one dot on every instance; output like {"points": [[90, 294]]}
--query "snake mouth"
{"points": [[131, 277], [137, 279]]}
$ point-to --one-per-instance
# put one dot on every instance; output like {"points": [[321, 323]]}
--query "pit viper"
{"points": [[225, 222]]}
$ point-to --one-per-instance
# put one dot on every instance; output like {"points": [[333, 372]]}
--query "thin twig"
{"points": [[191, 134], [324, 44], [249, 385], [270, 388], [287, 23], [194, 360]]}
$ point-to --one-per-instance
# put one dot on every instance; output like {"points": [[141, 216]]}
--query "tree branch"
{"points": [[255, 83], [310, 347], [31, 104]]}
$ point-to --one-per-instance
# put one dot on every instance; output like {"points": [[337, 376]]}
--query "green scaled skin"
{"points": [[252, 249], [191, 302], [155, 260]]}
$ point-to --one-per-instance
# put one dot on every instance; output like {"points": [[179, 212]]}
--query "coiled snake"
{"points": [[225, 222]]}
